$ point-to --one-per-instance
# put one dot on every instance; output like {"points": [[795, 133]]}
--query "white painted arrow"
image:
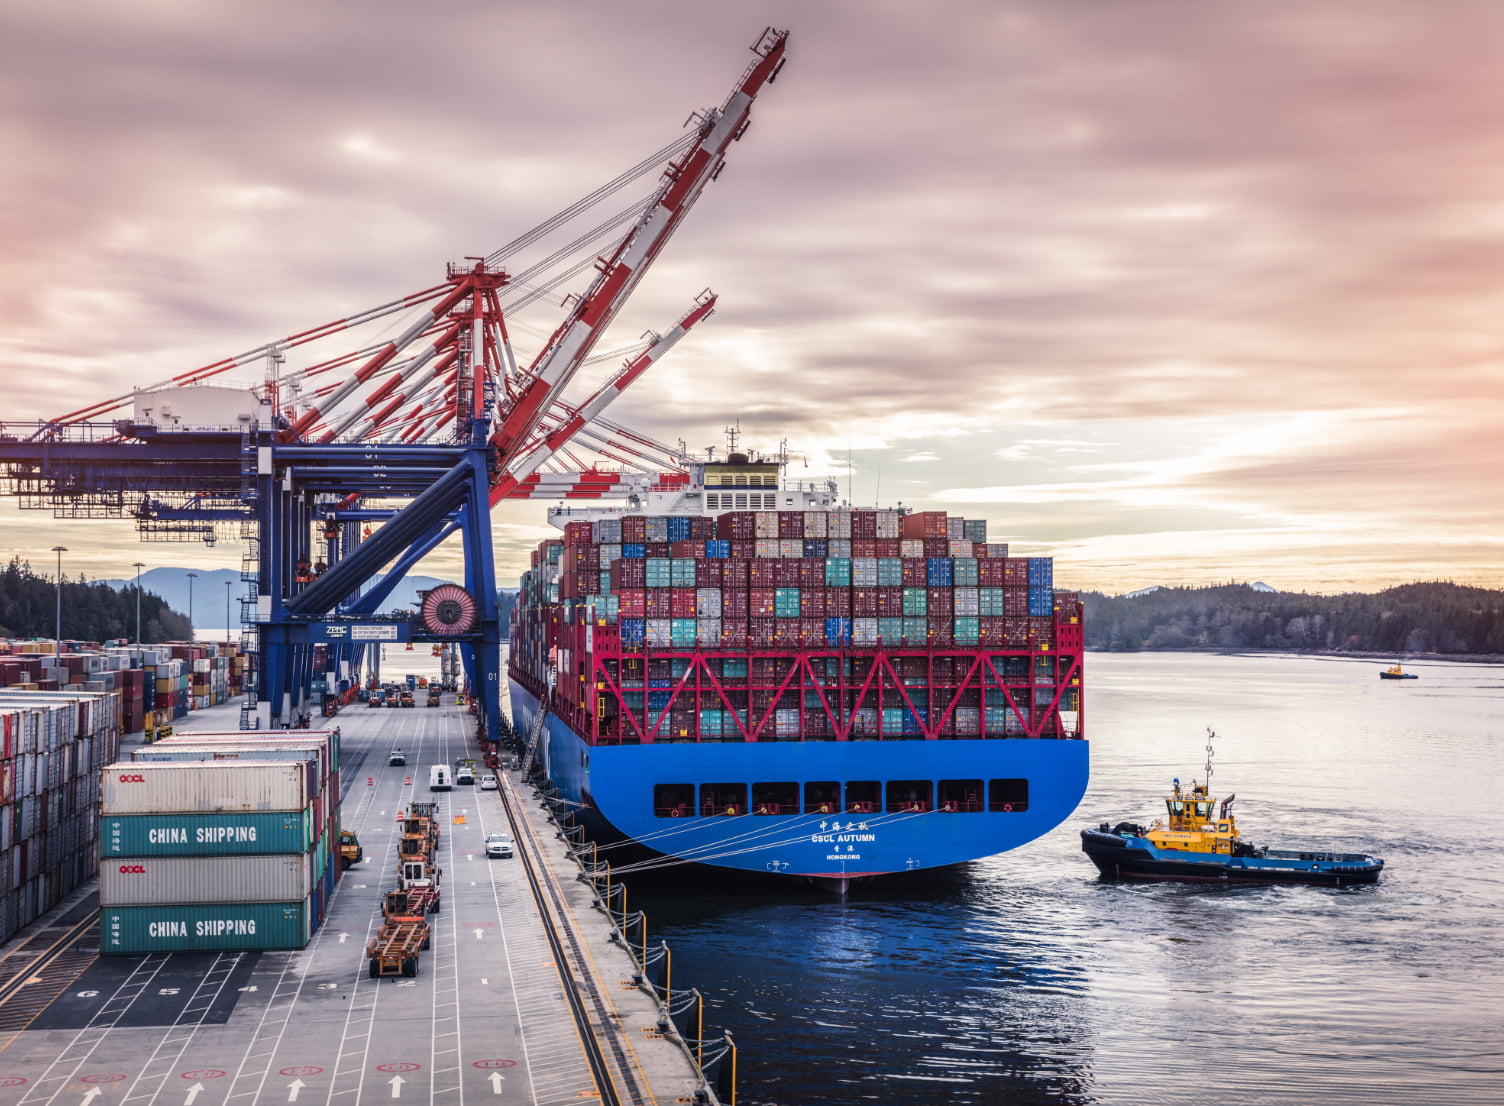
{"points": [[496, 1078], [293, 1088], [478, 935], [193, 1092], [397, 1082], [342, 937], [91, 1094]]}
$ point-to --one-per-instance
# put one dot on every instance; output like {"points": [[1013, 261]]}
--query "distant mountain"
{"points": [[209, 592], [1433, 617], [1259, 585]]}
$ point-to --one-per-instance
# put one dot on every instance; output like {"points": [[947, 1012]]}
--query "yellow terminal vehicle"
{"points": [[350, 852]]}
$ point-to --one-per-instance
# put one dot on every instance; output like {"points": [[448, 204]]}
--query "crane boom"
{"points": [[570, 344]]}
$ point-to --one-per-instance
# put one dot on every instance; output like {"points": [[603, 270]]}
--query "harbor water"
{"points": [[1023, 978]]}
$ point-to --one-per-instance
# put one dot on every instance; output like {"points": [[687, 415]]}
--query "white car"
{"points": [[499, 844], [488, 783]]}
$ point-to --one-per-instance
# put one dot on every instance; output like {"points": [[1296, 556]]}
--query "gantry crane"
{"points": [[344, 474]]}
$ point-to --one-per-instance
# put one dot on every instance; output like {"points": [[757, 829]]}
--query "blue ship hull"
{"points": [[615, 786]]}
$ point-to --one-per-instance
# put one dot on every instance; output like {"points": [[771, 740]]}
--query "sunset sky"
{"points": [[1177, 292]]}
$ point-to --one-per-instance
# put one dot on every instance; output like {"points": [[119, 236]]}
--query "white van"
{"points": [[438, 778]]}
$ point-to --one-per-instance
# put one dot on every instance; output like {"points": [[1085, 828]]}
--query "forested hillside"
{"points": [[1413, 618], [91, 612]]}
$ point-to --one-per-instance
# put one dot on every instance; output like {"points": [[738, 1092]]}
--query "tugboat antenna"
{"points": [[1211, 735]]}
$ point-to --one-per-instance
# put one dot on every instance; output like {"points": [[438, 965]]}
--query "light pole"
{"points": [[138, 566], [59, 550], [192, 576]]}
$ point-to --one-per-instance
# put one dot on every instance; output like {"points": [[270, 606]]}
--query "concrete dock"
{"points": [[524, 996]]}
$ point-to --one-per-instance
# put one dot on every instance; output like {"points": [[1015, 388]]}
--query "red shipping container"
{"points": [[864, 547], [863, 602], [936, 547], [656, 548], [863, 524], [811, 573], [686, 549], [923, 524], [702, 528], [763, 631], [837, 602], [736, 526], [634, 529], [743, 549], [1016, 571], [812, 631], [791, 524], [890, 602], [629, 572], [633, 603], [991, 573], [941, 603], [1016, 601], [786, 573], [762, 572], [577, 533], [812, 605], [760, 602], [682, 603], [708, 573], [734, 604], [1017, 628], [733, 631], [993, 630], [659, 603], [889, 547], [736, 574], [915, 572]]}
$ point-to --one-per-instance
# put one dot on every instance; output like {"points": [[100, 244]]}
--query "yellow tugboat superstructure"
{"points": [[1194, 824]]}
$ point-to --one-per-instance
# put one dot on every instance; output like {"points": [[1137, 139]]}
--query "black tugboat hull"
{"points": [[1119, 856]]}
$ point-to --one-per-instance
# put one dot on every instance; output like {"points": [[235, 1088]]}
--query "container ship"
{"points": [[735, 670]]}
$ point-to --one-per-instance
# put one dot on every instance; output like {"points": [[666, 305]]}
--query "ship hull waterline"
{"points": [[614, 787]]}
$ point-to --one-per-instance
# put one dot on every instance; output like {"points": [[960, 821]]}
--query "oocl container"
{"points": [[204, 788], [132, 930], [146, 880]]}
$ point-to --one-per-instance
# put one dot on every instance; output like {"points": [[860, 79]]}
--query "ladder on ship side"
{"points": [[535, 732]]}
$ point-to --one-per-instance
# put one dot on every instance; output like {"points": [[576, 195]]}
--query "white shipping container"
{"points": [[196, 788], [155, 881]]}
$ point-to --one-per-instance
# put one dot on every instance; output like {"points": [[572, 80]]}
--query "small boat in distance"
{"points": [[1198, 843], [1395, 672]]}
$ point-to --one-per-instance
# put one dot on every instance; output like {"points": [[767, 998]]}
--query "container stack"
{"points": [[219, 841], [51, 746], [849, 581]]}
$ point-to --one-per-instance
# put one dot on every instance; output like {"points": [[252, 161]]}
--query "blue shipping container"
{"points": [[939, 572]]}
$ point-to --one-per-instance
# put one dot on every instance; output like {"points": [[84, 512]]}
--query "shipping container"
{"points": [[135, 930], [147, 880], [145, 788], [205, 834]]}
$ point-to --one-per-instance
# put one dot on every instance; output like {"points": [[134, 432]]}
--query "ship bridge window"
{"points": [[674, 800], [775, 798], [723, 798], [862, 796], [741, 481], [910, 796], [741, 501], [1007, 796], [961, 796], [822, 798]]}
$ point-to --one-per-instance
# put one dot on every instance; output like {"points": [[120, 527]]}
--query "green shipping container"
{"points": [[230, 834], [915, 602], [250, 926]]}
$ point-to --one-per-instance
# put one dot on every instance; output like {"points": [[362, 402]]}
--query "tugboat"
{"points": [[1395, 672], [1195, 846]]}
